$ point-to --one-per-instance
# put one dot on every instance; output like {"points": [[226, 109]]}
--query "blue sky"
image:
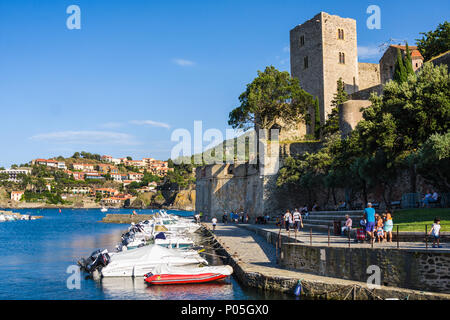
{"points": [[137, 70]]}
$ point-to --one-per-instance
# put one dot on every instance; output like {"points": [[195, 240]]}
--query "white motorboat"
{"points": [[138, 262], [103, 209]]}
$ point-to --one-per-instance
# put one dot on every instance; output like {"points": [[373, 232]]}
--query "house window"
{"points": [[302, 41], [341, 58], [305, 63], [341, 34]]}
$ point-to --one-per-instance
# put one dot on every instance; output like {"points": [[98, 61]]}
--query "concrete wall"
{"points": [[429, 271]]}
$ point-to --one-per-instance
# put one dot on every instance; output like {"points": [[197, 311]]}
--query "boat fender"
{"points": [[298, 288]]}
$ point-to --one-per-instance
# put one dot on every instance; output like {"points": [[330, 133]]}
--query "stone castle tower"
{"points": [[323, 50]]}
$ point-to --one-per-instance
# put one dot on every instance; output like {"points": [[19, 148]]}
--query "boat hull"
{"points": [[165, 279]]}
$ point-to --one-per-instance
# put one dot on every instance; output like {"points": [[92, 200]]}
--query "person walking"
{"points": [[214, 223], [370, 225], [224, 218], [297, 220], [287, 220]]}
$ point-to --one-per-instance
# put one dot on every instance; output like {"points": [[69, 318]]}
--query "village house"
{"points": [[61, 165], [389, 58], [78, 175], [93, 175], [107, 191], [135, 163], [80, 190], [14, 173], [17, 195], [116, 177], [117, 200], [106, 158], [105, 168], [45, 162], [135, 176], [84, 167]]}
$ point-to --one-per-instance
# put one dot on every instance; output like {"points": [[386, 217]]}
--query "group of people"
{"points": [[377, 226], [235, 217], [295, 219], [430, 198]]}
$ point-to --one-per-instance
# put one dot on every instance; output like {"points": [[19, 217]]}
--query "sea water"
{"points": [[37, 259]]}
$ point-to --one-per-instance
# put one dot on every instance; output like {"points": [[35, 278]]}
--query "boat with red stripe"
{"points": [[164, 275]]}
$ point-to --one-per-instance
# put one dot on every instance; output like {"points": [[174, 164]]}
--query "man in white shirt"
{"points": [[214, 223], [297, 220], [287, 220]]}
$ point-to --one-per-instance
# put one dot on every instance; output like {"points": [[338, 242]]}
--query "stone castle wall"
{"points": [[333, 70], [350, 114], [369, 75]]}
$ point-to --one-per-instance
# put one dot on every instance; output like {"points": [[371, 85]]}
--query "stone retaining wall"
{"points": [[418, 270]]}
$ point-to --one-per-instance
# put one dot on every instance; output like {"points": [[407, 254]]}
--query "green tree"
{"points": [[433, 43], [332, 123], [400, 73], [434, 161], [271, 97], [408, 62], [317, 124], [76, 155]]}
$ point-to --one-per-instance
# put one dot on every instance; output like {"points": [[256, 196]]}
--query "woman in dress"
{"points": [[388, 225]]}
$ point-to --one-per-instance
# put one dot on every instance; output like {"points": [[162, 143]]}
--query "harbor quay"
{"points": [[270, 259]]}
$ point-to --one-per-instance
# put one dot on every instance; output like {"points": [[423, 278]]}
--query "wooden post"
{"points": [[426, 238], [328, 235], [310, 236], [398, 239], [348, 231]]}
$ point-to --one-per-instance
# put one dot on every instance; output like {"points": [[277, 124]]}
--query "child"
{"points": [[435, 232], [388, 225], [380, 233]]}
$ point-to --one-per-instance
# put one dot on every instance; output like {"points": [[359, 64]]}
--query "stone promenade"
{"points": [[254, 261]]}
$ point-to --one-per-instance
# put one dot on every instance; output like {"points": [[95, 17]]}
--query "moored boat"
{"points": [[163, 275]]}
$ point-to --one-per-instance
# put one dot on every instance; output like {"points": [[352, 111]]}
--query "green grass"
{"points": [[416, 219]]}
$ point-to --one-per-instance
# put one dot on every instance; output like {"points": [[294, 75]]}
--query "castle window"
{"points": [[341, 34], [305, 63], [302, 41], [341, 58]]}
